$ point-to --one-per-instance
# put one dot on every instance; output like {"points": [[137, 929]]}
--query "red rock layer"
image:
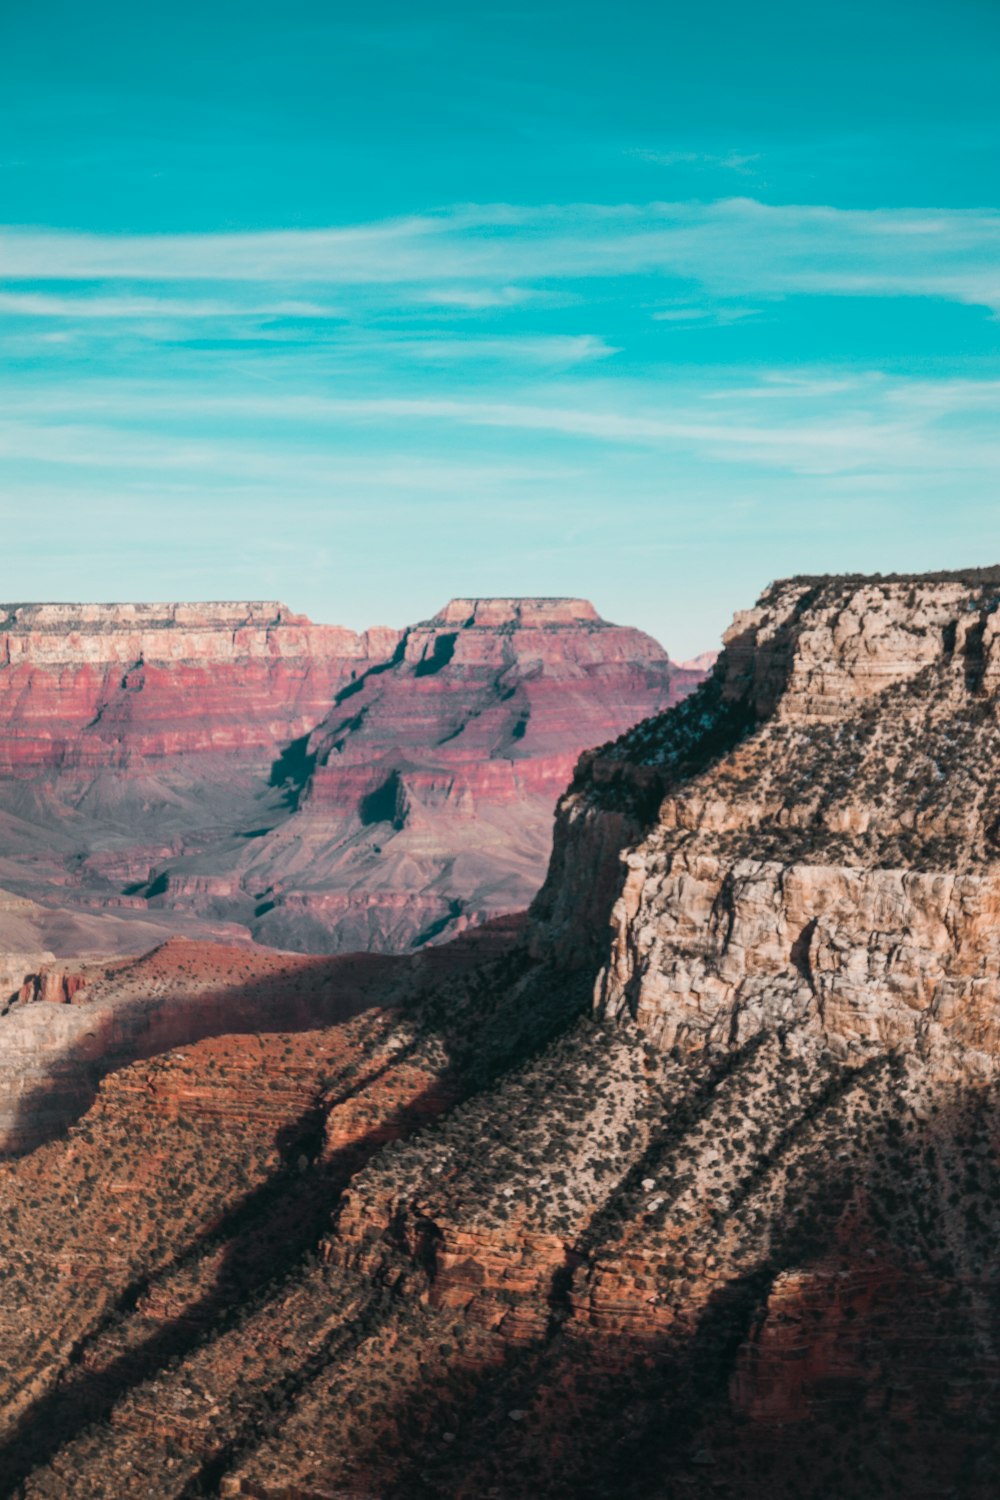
{"points": [[490, 699], [315, 789], [68, 1026], [89, 686], [434, 777]]}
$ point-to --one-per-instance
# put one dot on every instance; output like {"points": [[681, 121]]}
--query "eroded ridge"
{"points": [[232, 770], [692, 1190]]}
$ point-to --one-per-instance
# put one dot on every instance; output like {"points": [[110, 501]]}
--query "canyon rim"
{"points": [[495, 1046], [686, 1181]]}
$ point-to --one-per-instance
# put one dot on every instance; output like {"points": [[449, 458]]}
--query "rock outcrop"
{"points": [[694, 1190], [430, 788], [93, 686], [836, 867], [238, 767]]}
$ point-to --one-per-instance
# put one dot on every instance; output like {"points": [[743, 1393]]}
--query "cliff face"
{"points": [[838, 866], [487, 698], [91, 686], [695, 1190], [431, 785], [312, 788]]}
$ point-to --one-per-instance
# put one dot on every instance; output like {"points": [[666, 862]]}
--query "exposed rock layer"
{"points": [[836, 867], [735, 1235], [312, 788], [92, 685], [67, 1025]]}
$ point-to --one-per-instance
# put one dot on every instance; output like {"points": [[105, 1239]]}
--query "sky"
{"points": [[365, 307]]}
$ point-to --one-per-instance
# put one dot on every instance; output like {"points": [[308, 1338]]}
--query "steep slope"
{"points": [[695, 1191], [133, 733], [838, 868], [63, 1026], [431, 784], [236, 764]]}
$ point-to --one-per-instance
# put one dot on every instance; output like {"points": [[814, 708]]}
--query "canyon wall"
{"points": [[837, 866], [234, 769], [432, 781], [694, 1189], [91, 685]]}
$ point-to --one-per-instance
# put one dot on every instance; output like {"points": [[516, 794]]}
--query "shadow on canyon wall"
{"points": [[888, 1387], [177, 1009], [636, 1414], [273, 1233]]}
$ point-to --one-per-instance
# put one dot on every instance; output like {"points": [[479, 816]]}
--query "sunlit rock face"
{"points": [[233, 770], [690, 1184], [812, 838], [93, 685], [432, 783]]}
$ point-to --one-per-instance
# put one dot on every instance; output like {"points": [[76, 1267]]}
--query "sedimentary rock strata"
{"points": [[432, 781], [692, 1190], [92, 685], [65, 1026], [840, 857], [234, 770]]}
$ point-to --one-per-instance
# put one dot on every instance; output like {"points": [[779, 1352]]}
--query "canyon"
{"points": [[235, 772], [686, 1182]]}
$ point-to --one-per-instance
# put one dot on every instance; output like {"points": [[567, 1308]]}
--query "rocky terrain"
{"points": [[691, 1187], [233, 771], [66, 1025], [93, 686]]}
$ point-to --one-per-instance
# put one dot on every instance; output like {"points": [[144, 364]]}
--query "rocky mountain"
{"points": [[89, 687], [234, 771], [690, 1188]]}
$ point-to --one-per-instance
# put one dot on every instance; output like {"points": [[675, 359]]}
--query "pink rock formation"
{"points": [[88, 685], [435, 776], [235, 764]]}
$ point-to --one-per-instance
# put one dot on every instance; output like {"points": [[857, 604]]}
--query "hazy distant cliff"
{"points": [[238, 767], [88, 685]]}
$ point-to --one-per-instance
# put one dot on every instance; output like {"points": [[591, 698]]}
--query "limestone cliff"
{"points": [[837, 865], [233, 770], [696, 1191]]}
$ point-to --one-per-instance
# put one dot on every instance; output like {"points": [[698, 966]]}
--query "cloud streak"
{"points": [[85, 308], [479, 256], [867, 425]]}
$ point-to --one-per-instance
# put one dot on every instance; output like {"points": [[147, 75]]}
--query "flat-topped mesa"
{"points": [[99, 634], [444, 765], [113, 617], [488, 614], [813, 645], [91, 685], [487, 684], [812, 837], [555, 637]]}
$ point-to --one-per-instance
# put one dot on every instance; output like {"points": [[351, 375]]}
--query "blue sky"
{"points": [[365, 307]]}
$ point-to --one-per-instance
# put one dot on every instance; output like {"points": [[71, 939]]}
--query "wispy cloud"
{"points": [[717, 316], [548, 359], [867, 425], [479, 298], [553, 349], [81, 307], [735, 247], [730, 161]]}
